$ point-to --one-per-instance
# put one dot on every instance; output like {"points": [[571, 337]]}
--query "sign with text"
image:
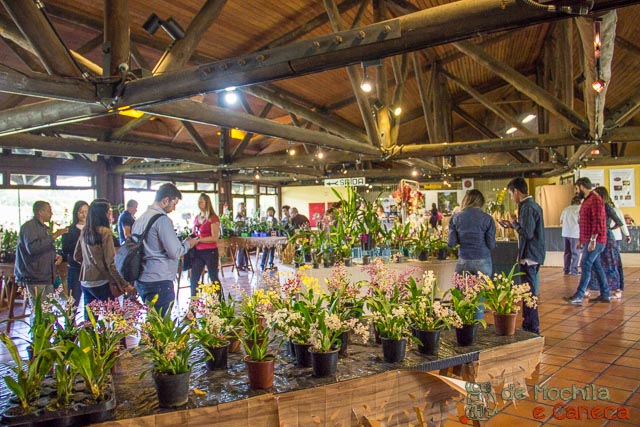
{"points": [[343, 182]]}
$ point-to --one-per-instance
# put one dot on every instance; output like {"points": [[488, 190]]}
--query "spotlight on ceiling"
{"points": [[257, 176], [414, 173], [598, 85], [320, 154], [397, 110], [170, 26], [230, 95], [291, 151], [529, 118], [511, 130], [366, 85]]}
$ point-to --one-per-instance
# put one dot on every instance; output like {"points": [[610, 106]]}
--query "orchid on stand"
{"points": [[467, 298]]}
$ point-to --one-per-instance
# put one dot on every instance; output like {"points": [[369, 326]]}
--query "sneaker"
{"points": [[574, 300], [600, 299], [586, 294], [617, 294]]}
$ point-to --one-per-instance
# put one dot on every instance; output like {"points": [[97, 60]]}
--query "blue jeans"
{"points": [[592, 259], [208, 257], [164, 290], [571, 255], [73, 284], [530, 319], [96, 293], [267, 252], [241, 258], [475, 266]]}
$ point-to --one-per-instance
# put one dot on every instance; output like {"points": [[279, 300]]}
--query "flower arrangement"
{"points": [[255, 320], [167, 341], [389, 316], [425, 308], [467, 297], [212, 319], [326, 328], [349, 302], [64, 312], [503, 296]]}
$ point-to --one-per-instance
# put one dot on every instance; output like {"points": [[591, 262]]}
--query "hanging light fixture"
{"points": [[599, 84], [397, 110], [366, 85], [230, 95]]}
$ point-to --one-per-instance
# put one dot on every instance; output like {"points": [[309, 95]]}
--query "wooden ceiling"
{"points": [[298, 83]]}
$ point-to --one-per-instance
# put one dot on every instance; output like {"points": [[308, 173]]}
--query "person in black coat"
{"points": [[69, 242]]}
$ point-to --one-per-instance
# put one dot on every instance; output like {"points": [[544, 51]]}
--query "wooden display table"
{"points": [[364, 389], [443, 270]]}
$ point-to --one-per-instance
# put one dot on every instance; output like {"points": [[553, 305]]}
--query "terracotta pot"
{"points": [[260, 373], [235, 345], [505, 324]]}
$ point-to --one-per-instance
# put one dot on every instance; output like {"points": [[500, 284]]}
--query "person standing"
{"points": [[529, 224], [206, 227], [126, 220], [571, 236], [618, 234], [610, 256], [593, 238], [162, 249], [269, 252], [95, 251], [36, 258], [435, 217], [69, 242], [298, 220], [475, 232], [240, 219]]}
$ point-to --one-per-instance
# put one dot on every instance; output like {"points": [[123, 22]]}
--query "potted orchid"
{"points": [[467, 297], [427, 313], [213, 322], [389, 315], [504, 297]]}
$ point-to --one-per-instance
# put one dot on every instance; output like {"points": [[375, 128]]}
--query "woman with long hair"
{"points": [[475, 231], [610, 256], [69, 242], [206, 226], [95, 251]]}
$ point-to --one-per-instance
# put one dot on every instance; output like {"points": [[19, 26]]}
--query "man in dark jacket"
{"points": [[36, 257], [529, 224]]}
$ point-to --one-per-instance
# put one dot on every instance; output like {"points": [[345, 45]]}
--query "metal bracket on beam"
{"points": [[321, 45]]}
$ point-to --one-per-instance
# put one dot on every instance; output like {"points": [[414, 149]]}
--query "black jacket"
{"points": [[530, 229], [69, 242], [35, 254]]}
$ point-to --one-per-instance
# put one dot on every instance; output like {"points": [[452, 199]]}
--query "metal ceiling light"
{"points": [[397, 110], [320, 154], [511, 130], [230, 95], [599, 84], [366, 85], [170, 26], [529, 118], [257, 175]]}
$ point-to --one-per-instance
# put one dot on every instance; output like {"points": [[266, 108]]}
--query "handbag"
{"points": [[115, 290]]}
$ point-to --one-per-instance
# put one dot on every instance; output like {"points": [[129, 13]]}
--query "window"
{"points": [[185, 186], [156, 184], [238, 188], [73, 181], [30, 180], [206, 186], [135, 184]]}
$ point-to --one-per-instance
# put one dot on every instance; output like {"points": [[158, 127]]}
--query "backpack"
{"points": [[129, 256]]}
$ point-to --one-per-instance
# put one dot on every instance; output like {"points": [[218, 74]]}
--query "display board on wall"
{"points": [[316, 211], [622, 187], [596, 176]]}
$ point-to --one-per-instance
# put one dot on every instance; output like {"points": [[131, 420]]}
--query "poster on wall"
{"points": [[316, 211], [595, 175], [622, 187]]}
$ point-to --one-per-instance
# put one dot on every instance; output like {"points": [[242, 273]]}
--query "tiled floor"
{"points": [[593, 344]]}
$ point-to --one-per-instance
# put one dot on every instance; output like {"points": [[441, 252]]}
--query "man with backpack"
{"points": [[162, 249]]}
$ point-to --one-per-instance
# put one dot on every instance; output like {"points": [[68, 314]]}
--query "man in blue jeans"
{"points": [[593, 238], [162, 250]]}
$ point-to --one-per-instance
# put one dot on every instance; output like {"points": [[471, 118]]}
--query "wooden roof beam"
{"points": [[197, 139], [425, 97], [37, 29], [116, 36], [355, 78], [247, 138], [523, 84]]}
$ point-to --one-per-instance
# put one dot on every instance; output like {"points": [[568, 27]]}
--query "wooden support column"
{"points": [[35, 27], [595, 102], [116, 36], [523, 84], [355, 77]]}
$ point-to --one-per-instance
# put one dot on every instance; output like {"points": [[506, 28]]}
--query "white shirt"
{"points": [[620, 231], [569, 220]]}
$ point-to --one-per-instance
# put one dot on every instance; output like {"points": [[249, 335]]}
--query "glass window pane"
{"points": [[206, 186], [237, 188], [185, 186], [140, 184], [271, 190], [73, 181], [156, 184], [249, 189], [24, 151], [34, 180], [57, 155]]}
